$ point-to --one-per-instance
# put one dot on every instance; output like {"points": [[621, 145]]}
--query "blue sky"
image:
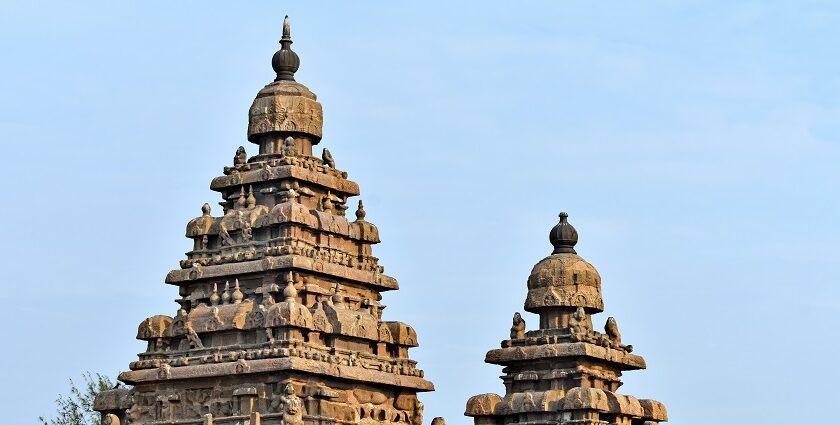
{"points": [[694, 144]]}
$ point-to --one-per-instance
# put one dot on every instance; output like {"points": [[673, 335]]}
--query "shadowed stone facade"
{"points": [[564, 372], [280, 320]]}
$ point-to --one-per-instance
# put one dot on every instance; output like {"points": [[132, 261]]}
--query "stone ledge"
{"points": [[624, 361], [351, 373], [379, 281]]}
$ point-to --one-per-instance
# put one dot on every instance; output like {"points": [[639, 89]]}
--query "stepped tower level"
{"points": [[279, 318], [564, 372]]}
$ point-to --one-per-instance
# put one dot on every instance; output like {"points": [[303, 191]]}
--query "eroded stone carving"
{"points": [[192, 336], [517, 331], [327, 157], [289, 405]]}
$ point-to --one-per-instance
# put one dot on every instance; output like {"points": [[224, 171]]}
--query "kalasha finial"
{"points": [[360, 212], [563, 236], [289, 292], [285, 62]]}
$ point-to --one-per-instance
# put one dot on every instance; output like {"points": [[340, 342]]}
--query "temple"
{"points": [[564, 372], [279, 318]]}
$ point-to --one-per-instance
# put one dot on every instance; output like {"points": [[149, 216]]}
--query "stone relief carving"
{"points": [[289, 405]]}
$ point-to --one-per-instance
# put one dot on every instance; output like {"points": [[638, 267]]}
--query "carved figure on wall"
{"points": [[290, 406], [517, 330], [289, 146], [215, 321], [247, 233], [578, 324], [328, 158], [223, 232], [269, 335], [241, 157], [161, 344], [192, 336]]}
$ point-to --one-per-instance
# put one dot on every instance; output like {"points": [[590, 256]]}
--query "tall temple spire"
{"points": [[285, 61], [242, 357], [564, 372]]}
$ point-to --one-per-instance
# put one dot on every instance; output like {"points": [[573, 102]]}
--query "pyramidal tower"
{"points": [[564, 372], [279, 318]]}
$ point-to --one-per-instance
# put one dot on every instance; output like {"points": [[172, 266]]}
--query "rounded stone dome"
{"points": [[285, 105], [564, 279]]}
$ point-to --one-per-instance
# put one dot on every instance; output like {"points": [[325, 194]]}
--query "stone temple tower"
{"points": [[564, 372], [279, 318]]}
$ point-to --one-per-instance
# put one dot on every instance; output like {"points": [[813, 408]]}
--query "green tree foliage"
{"points": [[76, 408]]}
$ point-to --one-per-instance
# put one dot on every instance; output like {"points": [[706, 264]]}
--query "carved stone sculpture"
{"points": [[611, 329], [327, 157], [241, 157], [517, 331], [289, 146], [579, 325], [192, 336], [290, 406]]}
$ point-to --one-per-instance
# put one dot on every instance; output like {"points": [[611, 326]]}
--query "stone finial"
{"points": [[563, 236], [205, 210], [226, 293], [241, 202], [214, 297], [252, 200], [438, 421], [517, 330], [237, 295], [337, 298], [328, 159], [289, 292], [611, 329], [240, 158], [360, 211], [285, 62]]}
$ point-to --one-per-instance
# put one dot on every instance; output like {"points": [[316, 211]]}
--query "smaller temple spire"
{"points": [[285, 61], [563, 236]]}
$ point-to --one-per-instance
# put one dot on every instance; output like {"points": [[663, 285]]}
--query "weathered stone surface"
{"points": [[279, 318], [564, 372], [285, 106]]}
